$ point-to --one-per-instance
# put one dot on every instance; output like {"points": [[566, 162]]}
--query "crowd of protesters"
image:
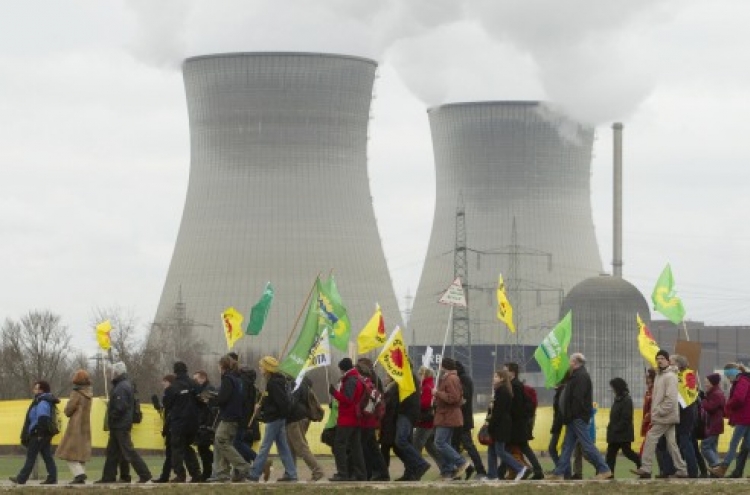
{"points": [[210, 433]]}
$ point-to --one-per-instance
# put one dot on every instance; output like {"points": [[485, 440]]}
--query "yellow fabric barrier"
{"points": [[147, 435]]}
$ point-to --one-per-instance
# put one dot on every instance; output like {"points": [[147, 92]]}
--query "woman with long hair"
{"points": [[501, 426], [75, 446], [620, 428]]}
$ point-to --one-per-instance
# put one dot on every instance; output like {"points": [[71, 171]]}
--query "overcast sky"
{"points": [[94, 145]]}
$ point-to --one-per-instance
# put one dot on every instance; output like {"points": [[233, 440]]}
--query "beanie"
{"points": [[448, 364], [179, 367], [269, 364], [345, 364], [664, 353], [714, 379], [119, 368]]}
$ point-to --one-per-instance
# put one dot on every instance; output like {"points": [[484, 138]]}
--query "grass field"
{"points": [[624, 483]]}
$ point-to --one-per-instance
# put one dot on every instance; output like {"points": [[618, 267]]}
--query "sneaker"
{"points": [[286, 479], [554, 477], [462, 468], [420, 472], [604, 475], [644, 475], [520, 474], [16, 481], [49, 481], [317, 477]]}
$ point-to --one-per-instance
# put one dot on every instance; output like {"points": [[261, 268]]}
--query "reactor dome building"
{"points": [[278, 191], [513, 197]]}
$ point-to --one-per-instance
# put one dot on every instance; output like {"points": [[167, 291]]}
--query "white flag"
{"points": [[454, 296], [427, 357], [320, 355]]}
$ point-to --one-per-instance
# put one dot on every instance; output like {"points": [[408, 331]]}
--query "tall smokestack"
{"points": [[617, 206]]}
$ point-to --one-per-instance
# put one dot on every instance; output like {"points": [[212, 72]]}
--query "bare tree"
{"points": [[34, 348]]}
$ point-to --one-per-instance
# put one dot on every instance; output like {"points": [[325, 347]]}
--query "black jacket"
{"points": [[230, 398], [620, 427], [276, 403], [520, 433], [300, 409], [409, 407], [388, 423], [181, 404], [577, 397], [121, 404], [207, 406], [500, 421], [249, 394], [557, 419], [467, 409]]}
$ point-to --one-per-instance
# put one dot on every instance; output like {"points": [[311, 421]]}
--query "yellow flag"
{"points": [[687, 385], [504, 309], [646, 343], [373, 335], [102, 335], [232, 321], [395, 362]]}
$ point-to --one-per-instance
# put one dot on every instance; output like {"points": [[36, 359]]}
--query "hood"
{"points": [[85, 390], [248, 373], [47, 397]]}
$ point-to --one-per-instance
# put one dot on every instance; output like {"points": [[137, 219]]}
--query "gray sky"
{"points": [[94, 147]]}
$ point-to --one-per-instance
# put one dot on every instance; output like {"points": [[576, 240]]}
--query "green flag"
{"points": [[552, 353], [665, 298], [308, 336], [259, 313], [333, 310]]}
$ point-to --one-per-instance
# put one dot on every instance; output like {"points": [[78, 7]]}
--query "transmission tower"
{"points": [[461, 331]]}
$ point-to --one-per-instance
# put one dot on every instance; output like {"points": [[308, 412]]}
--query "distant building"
{"points": [[278, 192]]}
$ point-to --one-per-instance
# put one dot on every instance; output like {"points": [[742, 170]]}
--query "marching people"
{"points": [[207, 410], [465, 439], [684, 429], [408, 412], [166, 467], [120, 411], [181, 411], [522, 421], [500, 423], [713, 405], [75, 446], [620, 434], [387, 437], [448, 400], [347, 447], [37, 432], [575, 404], [665, 415], [557, 424], [297, 425], [647, 399], [424, 429], [374, 464], [273, 409], [738, 411]]}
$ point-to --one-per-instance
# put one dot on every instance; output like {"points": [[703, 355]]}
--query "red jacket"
{"points": [[713, 404], [348, 395], [738, 405], [425, 401], [369, 422]]}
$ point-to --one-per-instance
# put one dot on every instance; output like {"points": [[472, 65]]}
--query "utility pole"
{"points": [[461, 330]]}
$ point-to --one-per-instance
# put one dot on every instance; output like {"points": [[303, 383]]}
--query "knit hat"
{"points": [[119, 368], [664, 353], [179, 367], [714, 379], [269, 364], [448, 364], [345, 364]]}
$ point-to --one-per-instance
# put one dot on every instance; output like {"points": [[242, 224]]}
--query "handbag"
{"points": [[484, 436]]}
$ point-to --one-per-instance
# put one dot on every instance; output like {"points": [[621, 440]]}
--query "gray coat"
{"points": [[665, 406]]}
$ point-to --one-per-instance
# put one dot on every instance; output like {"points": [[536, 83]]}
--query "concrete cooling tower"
{"points": [[522, 172], [278, 192]]}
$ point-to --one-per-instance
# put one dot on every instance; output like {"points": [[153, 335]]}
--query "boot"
{"points": [[79, 480], [719, 471]]}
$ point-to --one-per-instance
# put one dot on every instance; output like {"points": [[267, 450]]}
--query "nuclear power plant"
{"points": [[278, 192], [513, 197]]}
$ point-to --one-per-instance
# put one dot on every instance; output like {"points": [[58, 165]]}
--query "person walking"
{"points": [[297, 425], [407, 415], [166, 467], [424, 429], [647, 400], [738, 410], [576, 404], [523, 421], [120, 410], [75, 446], [37, 433], [181, 407], [207, 411], [620, 434], [347, 447], [500, 424], [274, 408], [369, 424], [713, 405], [465, 438], [448, 400], [665, 415]]}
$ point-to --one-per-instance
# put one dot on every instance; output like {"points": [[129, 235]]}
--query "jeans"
{"points": [[241, 447], [578, 430], [275, 433], [424, 438], [412, 459], [554, 439], [452, 460], [741, 433], [495, 451], [685, 442], [38, 445]]}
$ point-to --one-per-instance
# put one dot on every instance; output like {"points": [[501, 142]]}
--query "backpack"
{"points": [[315, 411], [137, 413], [371, 404], [55, 422], [529, 408]]}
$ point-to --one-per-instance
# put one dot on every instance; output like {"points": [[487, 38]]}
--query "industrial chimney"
{"points": [[617, 201]]}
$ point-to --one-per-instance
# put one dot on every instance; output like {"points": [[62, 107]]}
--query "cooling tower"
{"points": [[522, 171], [278, 192]]}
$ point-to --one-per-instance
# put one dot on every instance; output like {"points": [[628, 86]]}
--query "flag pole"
{"points": [[684, 326], [104, 371], [299, 315], [442, 352], [328, 384]]}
